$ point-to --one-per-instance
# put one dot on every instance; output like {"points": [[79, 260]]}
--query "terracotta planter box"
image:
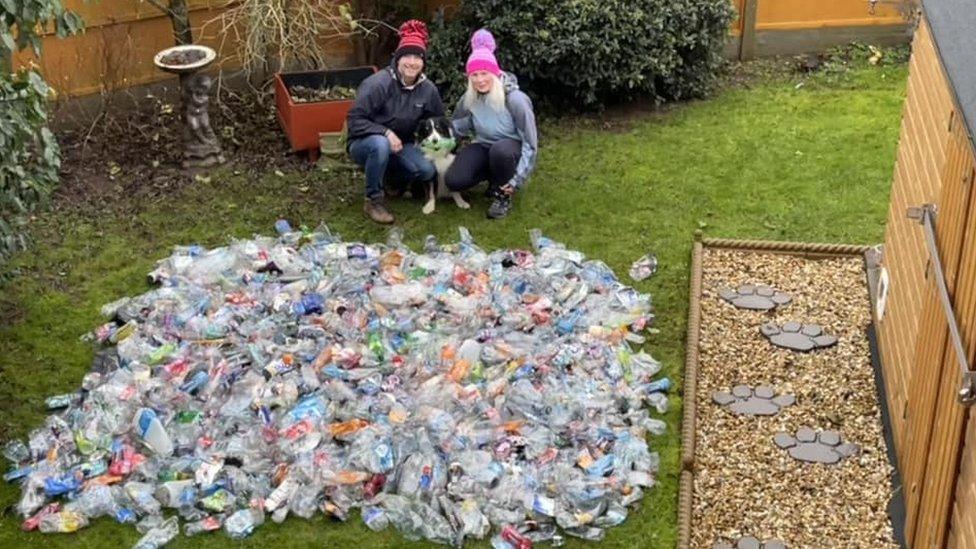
{"points": [[303, 122]]}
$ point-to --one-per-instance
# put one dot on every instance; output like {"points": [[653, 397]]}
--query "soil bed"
{"points": [[305, 94], [126, 160], [744, 484]]}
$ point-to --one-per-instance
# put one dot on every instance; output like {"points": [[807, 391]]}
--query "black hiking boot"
{"points": [[500, 207]]}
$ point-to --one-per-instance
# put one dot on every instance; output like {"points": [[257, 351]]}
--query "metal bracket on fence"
{"points": [[925, 215]]}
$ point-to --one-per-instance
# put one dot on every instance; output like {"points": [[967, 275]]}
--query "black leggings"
{"points": [[479, 161]]}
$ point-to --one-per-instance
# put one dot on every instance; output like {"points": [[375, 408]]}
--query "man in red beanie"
{"points": [[382, 122]]}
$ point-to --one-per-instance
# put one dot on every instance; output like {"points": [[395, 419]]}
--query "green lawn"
{"points": [[769, 160]]}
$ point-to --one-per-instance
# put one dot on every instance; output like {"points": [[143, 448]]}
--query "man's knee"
{"points": [[378, 146], [370, 149], [425, 171]]}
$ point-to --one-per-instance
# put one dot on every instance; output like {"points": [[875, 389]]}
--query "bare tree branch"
{"points": [[274, 34]]}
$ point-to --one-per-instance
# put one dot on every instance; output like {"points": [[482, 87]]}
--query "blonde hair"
{"points": [[495, 96]]}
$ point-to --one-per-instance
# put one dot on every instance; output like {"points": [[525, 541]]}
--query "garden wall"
{"points": [[122, 36]]}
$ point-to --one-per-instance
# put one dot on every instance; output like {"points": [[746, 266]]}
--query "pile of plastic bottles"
{"points": [[450, 394]]}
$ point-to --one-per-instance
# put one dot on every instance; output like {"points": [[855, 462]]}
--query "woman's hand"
{"points": [[395, 144], [508, 189]]}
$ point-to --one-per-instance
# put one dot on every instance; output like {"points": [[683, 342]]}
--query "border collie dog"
{"points": [[436, 139]]}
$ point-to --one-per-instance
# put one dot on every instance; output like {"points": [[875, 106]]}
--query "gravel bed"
{"points": [[746, 485]]}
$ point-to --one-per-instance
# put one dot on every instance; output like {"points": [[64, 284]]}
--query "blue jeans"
{"points": [[373, 154]]}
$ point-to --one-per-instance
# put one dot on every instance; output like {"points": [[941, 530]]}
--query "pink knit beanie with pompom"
{"points": [[482, 56]]}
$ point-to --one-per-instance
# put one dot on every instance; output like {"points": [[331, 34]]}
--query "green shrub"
{"points": [[447, 52], [590, 53], [31, 158]]}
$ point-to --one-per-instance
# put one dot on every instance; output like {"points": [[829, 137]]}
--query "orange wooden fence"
{"points": [[122, 36], [804, 14]]}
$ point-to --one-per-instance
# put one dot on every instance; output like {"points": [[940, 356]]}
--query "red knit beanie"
{"points": [[413, 39]]}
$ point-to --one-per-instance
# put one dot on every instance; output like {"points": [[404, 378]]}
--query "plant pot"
{"points": [[332, 143], [303, 122]]}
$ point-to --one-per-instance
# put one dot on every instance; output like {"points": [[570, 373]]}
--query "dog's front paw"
{"points": [[428, 208], [461, 203]]}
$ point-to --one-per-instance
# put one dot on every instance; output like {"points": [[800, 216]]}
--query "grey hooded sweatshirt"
{"points": [[517, 122]]}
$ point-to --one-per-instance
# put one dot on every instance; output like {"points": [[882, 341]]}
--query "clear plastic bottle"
{"points": [[170, 493], [150, 429], [242, 523], [16, 452], [141, 495], [207, 524], [160, 535], [375, 518], [63, 522]]}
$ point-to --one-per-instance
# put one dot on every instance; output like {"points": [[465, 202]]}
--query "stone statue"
{"points": [[202, 148]]}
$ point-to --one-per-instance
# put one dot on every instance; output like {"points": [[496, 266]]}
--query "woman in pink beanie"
{"points": [[500, 117]]}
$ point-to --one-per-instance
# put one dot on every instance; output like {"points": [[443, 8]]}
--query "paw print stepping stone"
{"points": [[750, 542], [748, 401], [797, 336], [816, 447], [756, 298]]}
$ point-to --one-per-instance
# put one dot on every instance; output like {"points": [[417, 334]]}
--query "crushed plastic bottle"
{"points": [[160, 535], [63, 522], [643, 268], [242, 523], [453, 394], [375, 518], [209, 523]]}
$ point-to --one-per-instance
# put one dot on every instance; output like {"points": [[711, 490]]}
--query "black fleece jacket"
{"points": [[383, 102]]}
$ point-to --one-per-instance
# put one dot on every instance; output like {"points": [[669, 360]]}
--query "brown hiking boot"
{"points": [[375, 209]]}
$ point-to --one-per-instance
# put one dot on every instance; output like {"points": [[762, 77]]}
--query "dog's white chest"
{"points": [[442, 163]]}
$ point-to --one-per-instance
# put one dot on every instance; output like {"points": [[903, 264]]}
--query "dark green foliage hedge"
{"points": [[30, 157], [590, 53]]}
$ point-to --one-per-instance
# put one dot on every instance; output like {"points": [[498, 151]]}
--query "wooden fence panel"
{"points": [[803, 14], [117, 52], [115, 56], [962, 532], [917, 180], [107, 57]]}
